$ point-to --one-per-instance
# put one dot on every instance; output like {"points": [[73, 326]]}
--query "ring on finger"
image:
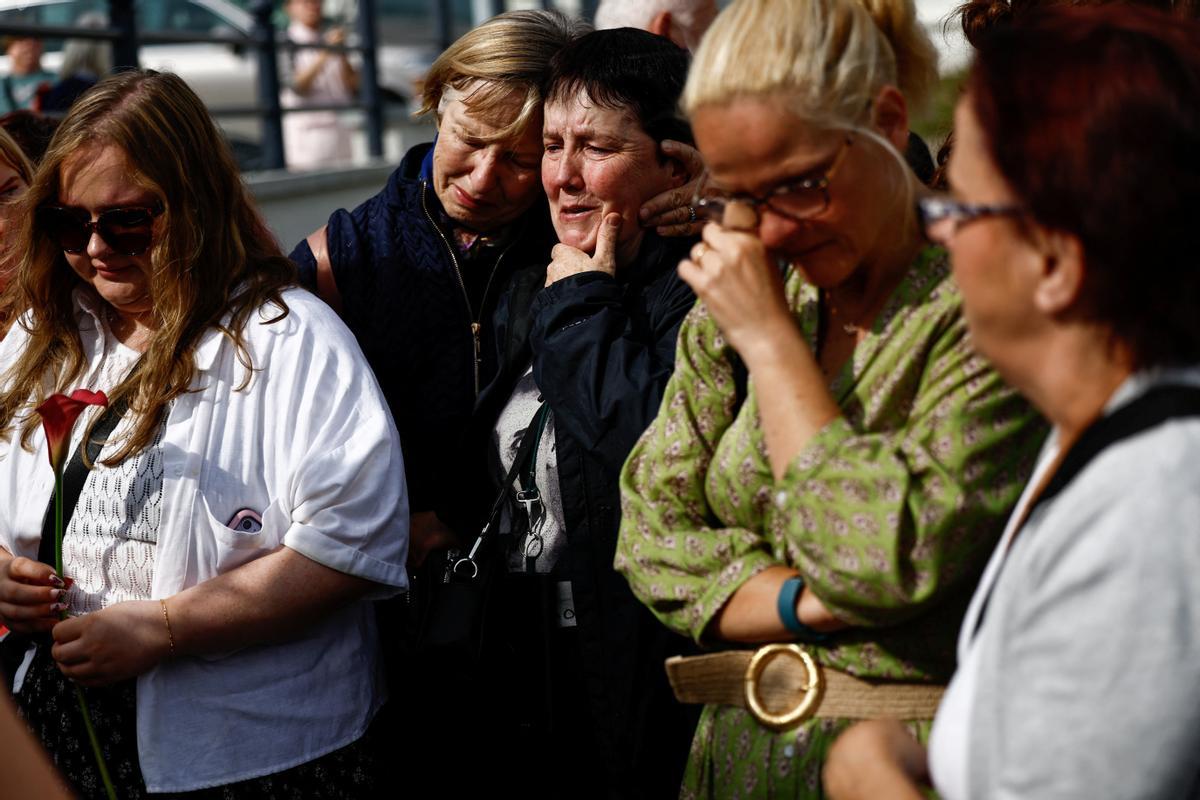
{"points": [[691, 214]]}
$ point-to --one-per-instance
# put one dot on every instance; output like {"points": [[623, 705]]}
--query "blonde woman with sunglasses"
{"points": [[846, 495], [248, 501]]}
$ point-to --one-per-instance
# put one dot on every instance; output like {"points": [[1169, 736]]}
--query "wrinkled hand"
{"points": [[31, 595], [427, 533], [569, 260], [670, 213], [878, 758], [115, 643], [732, 273]]}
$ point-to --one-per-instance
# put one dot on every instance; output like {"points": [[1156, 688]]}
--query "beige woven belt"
{"points": [[784, 676]]}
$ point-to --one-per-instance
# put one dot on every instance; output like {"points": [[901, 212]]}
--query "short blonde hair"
{"points": [[826, 58], [501, 65]]}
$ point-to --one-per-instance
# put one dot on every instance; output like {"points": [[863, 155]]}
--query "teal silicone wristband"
{"points": [[786, 606]]}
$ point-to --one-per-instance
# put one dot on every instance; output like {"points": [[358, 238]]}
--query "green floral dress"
{"points": [[889, 514]]}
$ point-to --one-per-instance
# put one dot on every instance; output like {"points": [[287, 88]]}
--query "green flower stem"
{"points": [[58, 523], [91, 732], [83, 708]]}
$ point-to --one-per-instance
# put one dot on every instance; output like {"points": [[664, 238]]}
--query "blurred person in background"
{"points": [[1079, 658], [682, 21], [318, 77], [25, 78], [84, 62], [832, 463]]}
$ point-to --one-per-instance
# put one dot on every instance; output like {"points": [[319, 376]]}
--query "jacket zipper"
{"points": [[475, 325]]}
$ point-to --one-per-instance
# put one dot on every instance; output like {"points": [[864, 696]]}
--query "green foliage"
{"points": [[935, 123]]}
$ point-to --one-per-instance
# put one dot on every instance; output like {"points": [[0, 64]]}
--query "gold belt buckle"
{"points": [[812, 687]]}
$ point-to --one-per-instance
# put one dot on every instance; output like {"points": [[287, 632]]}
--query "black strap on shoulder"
{"points": [[1156, 406], [1152, 409], [528, 440], [75, 475]]}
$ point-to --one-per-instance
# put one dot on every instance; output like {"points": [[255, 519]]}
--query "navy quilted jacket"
{"points": [[405, 298]]}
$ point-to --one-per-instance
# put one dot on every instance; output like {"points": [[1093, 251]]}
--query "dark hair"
{"points": [[626, 68], [32, 131], [981, 16], [1093, 118]]}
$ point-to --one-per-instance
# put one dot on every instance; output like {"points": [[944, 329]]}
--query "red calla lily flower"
{"points": [[58, 413]]}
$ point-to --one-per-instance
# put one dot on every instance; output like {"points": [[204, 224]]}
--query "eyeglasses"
{"points": [[942, 217], [129, 231], [796, 200]]}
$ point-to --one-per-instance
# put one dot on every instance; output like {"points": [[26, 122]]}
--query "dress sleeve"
{"points": [[674, 552], [882, 524], [602, 368]]}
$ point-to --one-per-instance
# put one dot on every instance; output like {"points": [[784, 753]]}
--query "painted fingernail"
{"points": [[57, 607], [56, 594], [56, 581], [69, 582]]}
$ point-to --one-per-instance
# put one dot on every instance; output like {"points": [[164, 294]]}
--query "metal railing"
{"points": [[123, 33]]}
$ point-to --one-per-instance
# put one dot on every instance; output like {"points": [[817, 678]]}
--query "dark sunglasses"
{"points": [[129, 231]]}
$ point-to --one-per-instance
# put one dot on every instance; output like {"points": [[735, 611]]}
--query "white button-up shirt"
{"points": [[308, 444]]}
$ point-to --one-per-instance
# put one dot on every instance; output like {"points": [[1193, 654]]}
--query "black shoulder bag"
{"points": [[456, 621]]}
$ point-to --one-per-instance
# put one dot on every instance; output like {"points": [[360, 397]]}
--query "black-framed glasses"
{"points": [[942, 216], [797, 200], [129, 231]]}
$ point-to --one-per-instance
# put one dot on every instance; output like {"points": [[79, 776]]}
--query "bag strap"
{"points": [[75, 475], [1157, 406], [466, 567], [1152, 409]]}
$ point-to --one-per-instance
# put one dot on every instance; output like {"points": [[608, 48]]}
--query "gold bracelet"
{"points": [[167, 619]]}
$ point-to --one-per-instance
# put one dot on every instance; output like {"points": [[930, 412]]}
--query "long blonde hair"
{"points": [[214, 256]]}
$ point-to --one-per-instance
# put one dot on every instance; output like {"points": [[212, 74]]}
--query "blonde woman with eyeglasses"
{"points": [[832, 462]]}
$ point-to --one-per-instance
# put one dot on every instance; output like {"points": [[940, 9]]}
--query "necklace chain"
{"points": [[852, 327]]}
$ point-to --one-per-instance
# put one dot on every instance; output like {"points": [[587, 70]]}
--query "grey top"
{"points": [[540, 546], [1084, 679]]}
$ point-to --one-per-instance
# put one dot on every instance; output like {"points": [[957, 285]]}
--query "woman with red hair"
{"points": [[1076, 178]]}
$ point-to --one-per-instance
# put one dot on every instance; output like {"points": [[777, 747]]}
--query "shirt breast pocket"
{"points": [[246, 540]]}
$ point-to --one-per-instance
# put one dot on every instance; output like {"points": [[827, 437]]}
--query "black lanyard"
{"points": [[528, 495], [1156, 406]]}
